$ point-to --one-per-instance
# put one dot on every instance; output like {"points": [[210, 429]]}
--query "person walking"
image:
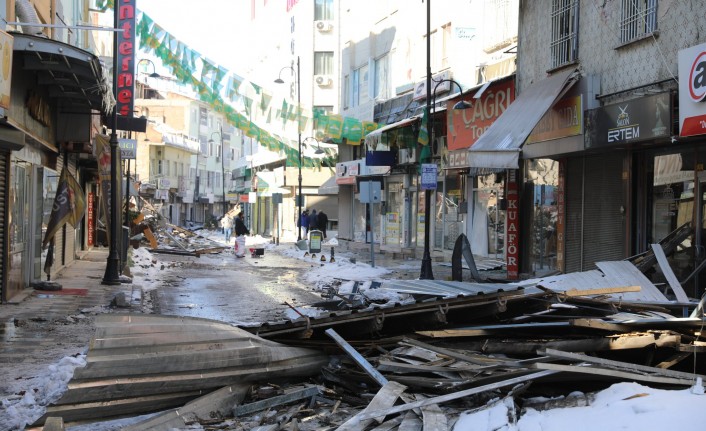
{"points": [[240, 231], [322, 222], [227, 225], [303, 221], [313, 220]]}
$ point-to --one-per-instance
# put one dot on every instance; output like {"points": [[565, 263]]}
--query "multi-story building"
{"points": [[603, 140], [383, 74], [52, 87], [186, 160]]}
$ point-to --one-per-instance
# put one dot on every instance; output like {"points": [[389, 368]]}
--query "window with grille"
{"points": [[637, 19], [565, 32]]}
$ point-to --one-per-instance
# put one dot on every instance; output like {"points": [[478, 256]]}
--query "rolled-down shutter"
{"points": [[4, 169]]}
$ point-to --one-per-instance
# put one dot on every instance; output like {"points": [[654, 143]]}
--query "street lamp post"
{"points": [[426, 272], [111, 275], [299, 132], [223, 172]]}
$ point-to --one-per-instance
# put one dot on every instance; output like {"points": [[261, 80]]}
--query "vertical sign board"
{"points": [[125, 102], [692, 90], [512, 226], [90, 219], [560, 213], [5, 68], [429, 176]]}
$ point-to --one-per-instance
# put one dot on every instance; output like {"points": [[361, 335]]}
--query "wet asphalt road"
{"points": [[243, 291]]}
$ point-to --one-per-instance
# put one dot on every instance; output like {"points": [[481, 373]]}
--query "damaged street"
{"points": [[284, 341]]}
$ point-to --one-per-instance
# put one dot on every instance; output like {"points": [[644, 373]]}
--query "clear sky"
{"points": [[211, 27]]}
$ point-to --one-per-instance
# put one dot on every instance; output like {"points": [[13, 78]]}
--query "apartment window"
{"points": [[323, 63], [637, 19], [360, 86], [565, 25], [323, 10], [445, 45], [160, 168], [382, 88]]}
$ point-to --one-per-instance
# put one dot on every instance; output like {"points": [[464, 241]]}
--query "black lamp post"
{"points": [[223, 172], [111, 275], [299, 131]]}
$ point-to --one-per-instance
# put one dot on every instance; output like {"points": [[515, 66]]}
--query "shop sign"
{"points": [[347, 171], [458, 159], [692, 90], [465, 126], [512, 222], [564, 118], [420, 88], [125, 100], [244, 199], [128, 149], [636, 120], [90, 219]]}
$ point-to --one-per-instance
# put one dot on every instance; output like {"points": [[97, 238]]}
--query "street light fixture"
{"points": [[318, 145], [223, 172], [299, 132]]}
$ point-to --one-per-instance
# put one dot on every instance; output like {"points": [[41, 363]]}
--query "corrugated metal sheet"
{"points": [[4, 172], [142, 363]]}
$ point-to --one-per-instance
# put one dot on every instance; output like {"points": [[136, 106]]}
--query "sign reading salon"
{"points": [[692, 91]]}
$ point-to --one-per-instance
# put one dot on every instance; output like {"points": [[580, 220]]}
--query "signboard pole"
{"points": [[372, 225]]}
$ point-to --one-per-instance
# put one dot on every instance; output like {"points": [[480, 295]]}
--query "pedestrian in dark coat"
{"points": [[313, 219], [322, 222], [303, 221]]}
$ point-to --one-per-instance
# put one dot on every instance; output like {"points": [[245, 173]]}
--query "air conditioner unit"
{"points": [[407, 156], [438, 146], [323, 26], [323, 80]]}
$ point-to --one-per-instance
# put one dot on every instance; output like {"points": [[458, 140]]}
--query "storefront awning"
{"points": [[267, 185], [372, 138], [499, 147], [329, 187]]}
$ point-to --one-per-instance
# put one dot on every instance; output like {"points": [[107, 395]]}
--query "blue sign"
{"points": [[429, 176]]}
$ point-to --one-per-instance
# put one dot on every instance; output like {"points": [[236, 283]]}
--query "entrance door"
{"points": [[18, 227]]}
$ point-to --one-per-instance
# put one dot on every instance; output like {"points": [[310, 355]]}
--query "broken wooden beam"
{"points": [[278, 400]]}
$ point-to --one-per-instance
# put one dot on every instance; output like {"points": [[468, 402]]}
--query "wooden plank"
{"points": [[357, 357], [613, 373], [219, 402], [434, 419], [454, 396], [296, 395], [602, 291], [150, 237], [385, 398], [669, 274], [618, 364], [410, 422]]}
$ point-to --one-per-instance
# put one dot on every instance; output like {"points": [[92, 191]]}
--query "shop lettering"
{"points": [[490, 107], [558, 119], [623, 134], [697, 79], [126, 57]]}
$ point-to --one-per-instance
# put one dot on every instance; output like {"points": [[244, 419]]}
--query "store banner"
{"points": [[125, 103], [692, 90], [465, 126], [512, 233]]}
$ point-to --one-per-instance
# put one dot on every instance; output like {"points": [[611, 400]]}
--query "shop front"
{"points": [[524, 212]]}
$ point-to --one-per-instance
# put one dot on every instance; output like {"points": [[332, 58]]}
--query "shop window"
{"points": [[541, 182]]}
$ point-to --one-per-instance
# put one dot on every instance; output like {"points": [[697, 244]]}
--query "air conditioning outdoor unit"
{"points": [[323, 26], [438, 146], [407, 156], [323, 80]]}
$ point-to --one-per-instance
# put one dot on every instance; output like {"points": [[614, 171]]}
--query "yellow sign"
{"points": [[565, 118]]}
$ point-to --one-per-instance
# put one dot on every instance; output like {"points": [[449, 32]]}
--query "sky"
{"points": [[626, 406], [211, 27]]}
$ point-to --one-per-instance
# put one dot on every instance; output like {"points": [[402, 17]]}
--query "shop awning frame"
{"points": [[500, 146], [373, 138]]}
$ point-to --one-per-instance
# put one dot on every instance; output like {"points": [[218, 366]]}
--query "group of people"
{"points": [[313, 221], [241, 230]]}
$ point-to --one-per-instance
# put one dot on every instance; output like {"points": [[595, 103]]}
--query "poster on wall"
{"points": [[6, 42]]}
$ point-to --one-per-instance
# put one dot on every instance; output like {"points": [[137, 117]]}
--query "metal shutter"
{"points": [[4, 169], [595, 229]]}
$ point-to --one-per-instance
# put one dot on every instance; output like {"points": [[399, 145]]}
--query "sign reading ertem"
{"points": [[125, 102], [692, 90]]}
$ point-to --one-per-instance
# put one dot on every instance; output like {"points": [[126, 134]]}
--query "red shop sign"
{"points": [[512, 222]]}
